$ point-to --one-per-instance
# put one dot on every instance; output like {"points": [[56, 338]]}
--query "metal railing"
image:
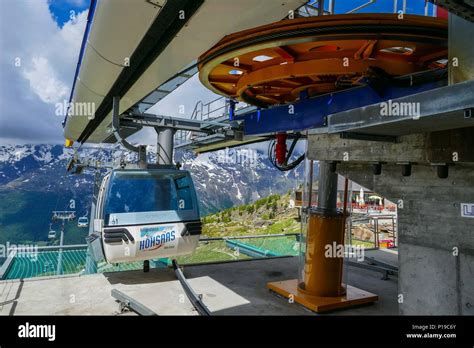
{"points": [[203, 112], [311, 8], [215, 109], [371, 222], [307, 10], [41, 261], [250, 236]]}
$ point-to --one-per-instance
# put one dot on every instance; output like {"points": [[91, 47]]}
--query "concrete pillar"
{"points": [[435, 237], [435, 243]]}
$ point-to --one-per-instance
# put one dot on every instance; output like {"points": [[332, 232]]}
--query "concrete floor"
{"points": [[236, 288]]}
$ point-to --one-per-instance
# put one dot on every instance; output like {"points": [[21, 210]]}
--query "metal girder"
{"points": [[116, 126], [195, 299], [218, 141], [313, 112], [129, 302], [444, 108], [385, 271], [166, 88], [177, 123], [204, 140]]}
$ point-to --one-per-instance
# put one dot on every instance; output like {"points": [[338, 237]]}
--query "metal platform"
{"points": [[216, 112], [231, 288]]}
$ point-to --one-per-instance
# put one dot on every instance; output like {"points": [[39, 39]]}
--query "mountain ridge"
{"points": [[34, 181]]}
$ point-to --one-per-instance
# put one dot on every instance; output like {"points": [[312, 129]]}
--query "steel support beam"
{"points": [[116, 126], [129, 302], [195, 299], [165, 144], [435, 110], [312, 113], [177, 123]]}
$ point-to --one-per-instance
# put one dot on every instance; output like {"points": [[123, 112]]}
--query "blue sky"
{"points": [[380, 6], [61, 9]]}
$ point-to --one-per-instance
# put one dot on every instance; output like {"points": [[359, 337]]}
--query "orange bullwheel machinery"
{"points": [[273, 64]]}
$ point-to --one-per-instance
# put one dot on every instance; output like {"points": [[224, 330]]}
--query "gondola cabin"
{"points": [[144, 214], [83, 221]]}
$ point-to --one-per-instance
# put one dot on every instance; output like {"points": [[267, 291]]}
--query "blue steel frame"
{"points": [[312, 113]]}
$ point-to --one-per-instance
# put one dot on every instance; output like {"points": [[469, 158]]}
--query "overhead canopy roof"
{"points": [[133, 48]]}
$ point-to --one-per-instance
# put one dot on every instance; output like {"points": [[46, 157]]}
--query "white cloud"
{"points": [[48, 56], [44, 81]]}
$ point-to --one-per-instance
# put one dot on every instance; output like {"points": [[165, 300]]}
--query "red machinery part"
{"points": [[280, 148], [442, 13]]}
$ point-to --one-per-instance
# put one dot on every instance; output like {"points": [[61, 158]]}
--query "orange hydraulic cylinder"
{"points": [[322, 273]]}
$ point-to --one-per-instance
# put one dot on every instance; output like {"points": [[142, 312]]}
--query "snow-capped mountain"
{"points": [[34, 178], [238, 176]]}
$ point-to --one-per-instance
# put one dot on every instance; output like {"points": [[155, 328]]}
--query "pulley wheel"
{"points": [[279, 62]]}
